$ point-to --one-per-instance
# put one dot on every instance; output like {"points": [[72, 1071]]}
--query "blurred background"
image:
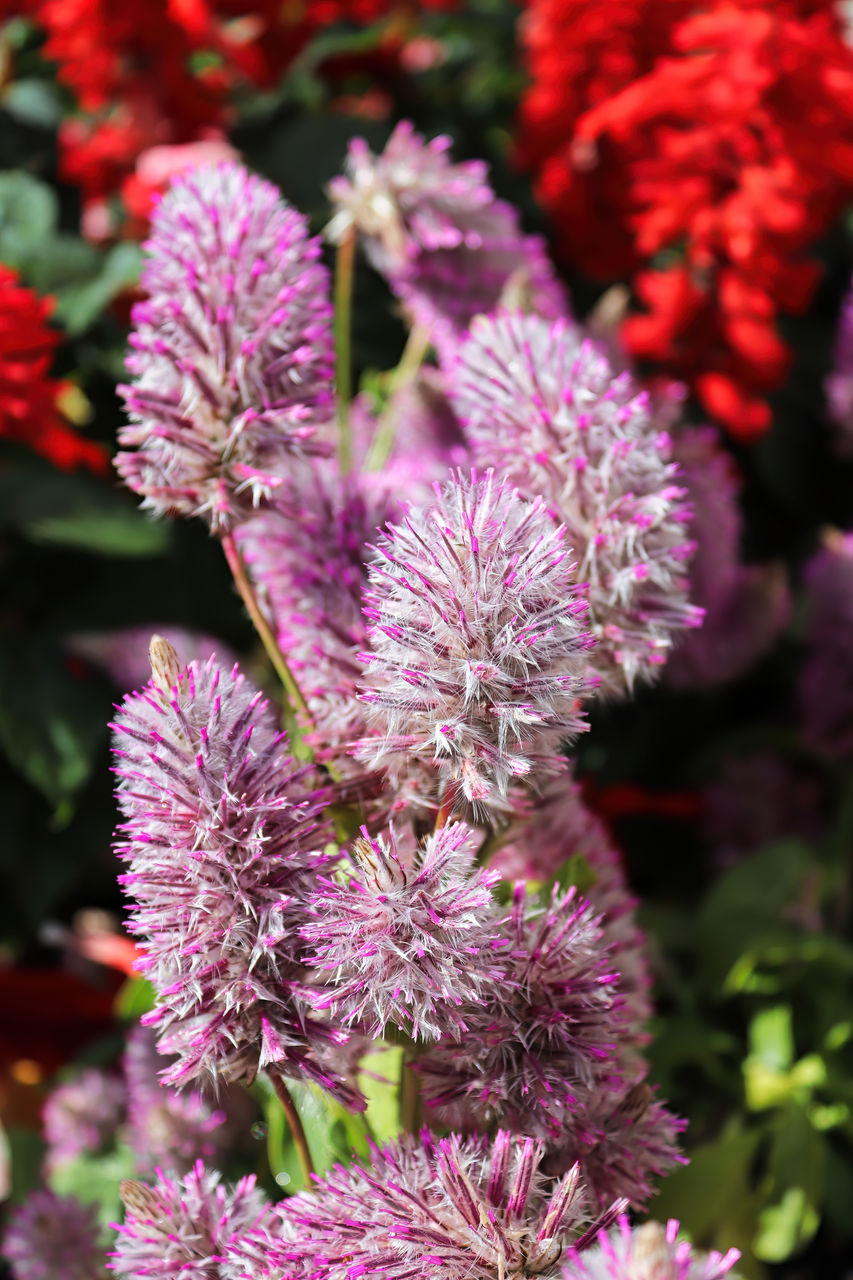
{"points": [[691, 166]]}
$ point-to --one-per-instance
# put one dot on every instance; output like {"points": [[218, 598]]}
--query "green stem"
{"points": [[294, 1120], [344, 271], [237, 565], [417, 345]]}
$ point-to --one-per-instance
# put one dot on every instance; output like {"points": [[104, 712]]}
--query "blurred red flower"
{"points": [[29, 412], [703, 153]]}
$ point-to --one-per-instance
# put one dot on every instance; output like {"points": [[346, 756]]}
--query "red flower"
{"points": [[718, 152], [28, 395], [150, 73]]}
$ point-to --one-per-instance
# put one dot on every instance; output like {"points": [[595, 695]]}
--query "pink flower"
{"points": [[478, 653], [544, 406], [407, 939], [231, 352]]}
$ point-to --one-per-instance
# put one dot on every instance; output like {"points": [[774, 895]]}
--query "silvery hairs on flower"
{"points": [[536, 1046], [542, 405], [231, 350], [222, 838], [479, 653], [408, 938], [186, 1227], [649, 1252], [471, 1208], [448, 248]]}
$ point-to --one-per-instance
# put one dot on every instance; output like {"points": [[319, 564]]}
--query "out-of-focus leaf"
{"points": [[46, 724], [26, 1152], [795, 1175], [77, 511], [79, 305], [63, 260], [95, 1180], [713, 1196], [28, 213], [378, 1079], [771, 1037], [135, 998], [34, 102], [120, 532]]}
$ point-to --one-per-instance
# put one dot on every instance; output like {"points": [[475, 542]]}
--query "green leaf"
{"points": [[34, 102], [713, 1196], [77, 511], [794, 1187], [771, 1037], [122, 531], [25, 1156], [46, 724], [28, 213], [95, 1180], [79, 305], [378, 1079], [135, 998]]}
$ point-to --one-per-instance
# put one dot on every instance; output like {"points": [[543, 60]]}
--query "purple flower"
{"points": [[839, 384], [408, 937], [222, 839], [478, 650], [650, 1252], [82, 1115], [542, 405], [746, 606], [232, 350], [123, 655], [538, 1044], [625, 1140], [51, 1237], [175, 1127], [826, 683], [186, 1227], [448, 248], [308, 553], [557, 830], [468, 1209]]}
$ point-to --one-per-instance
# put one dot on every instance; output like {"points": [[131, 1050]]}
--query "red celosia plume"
{"points": [[705, 153]]}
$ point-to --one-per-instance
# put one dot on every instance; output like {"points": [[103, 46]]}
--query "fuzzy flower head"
{"points": [[406, 939], [184, 1227], [175, 1127], [537, 1046], [466, 1207], [82, 1115], [479, 653], [557, 831], [543, 406], [51, 1237], [231, 357], [221, 838], [309, 554], [626, 1139], [448, 248], [650, 1252]]}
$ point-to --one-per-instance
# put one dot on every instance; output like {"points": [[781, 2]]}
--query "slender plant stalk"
{"points": [[417, 345], [292, 1116], [344, 271], [445, 809], [237, 565]]}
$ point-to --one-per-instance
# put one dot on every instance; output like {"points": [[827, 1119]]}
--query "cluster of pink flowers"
{"points": [[302, 896]]}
